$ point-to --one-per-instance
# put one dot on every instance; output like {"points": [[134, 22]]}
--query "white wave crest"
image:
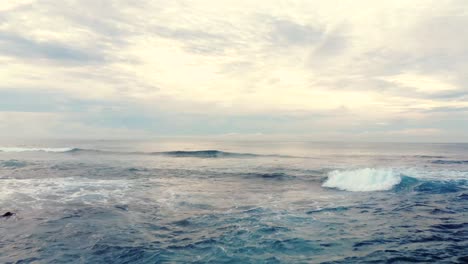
{"points": [[18, 149], [362, 180]]}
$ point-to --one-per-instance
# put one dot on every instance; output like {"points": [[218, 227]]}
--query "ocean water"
{"points": [[201, 201]]}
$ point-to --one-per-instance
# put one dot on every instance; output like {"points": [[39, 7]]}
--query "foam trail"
{"points": [[18, 149], [362, 180]]}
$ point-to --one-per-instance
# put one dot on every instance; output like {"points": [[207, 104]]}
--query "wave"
{"points": [[176, 153], [362, 180], [369, 179], [429, 157], [20, 149], [80, 150], [329, 209], [268, 176], [438, 187], [13, 164], [204, 154], [450, 161]]}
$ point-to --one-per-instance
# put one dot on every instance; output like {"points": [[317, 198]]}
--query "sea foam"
{"points": [[362, 180]]}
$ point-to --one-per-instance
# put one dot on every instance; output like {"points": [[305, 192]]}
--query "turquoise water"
{"points": [[192, 201]]}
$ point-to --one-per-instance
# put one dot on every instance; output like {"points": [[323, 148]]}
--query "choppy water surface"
{"points": [[191, 201]]}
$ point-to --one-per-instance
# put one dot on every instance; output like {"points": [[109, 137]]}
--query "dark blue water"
{"points": [[191, 201]]}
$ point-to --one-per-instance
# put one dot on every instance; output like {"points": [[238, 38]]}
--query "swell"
{"points": [[177, 153], [210, 153], [205, 154], [449, 162], [267, 175], [429, 157], [12, 164]]}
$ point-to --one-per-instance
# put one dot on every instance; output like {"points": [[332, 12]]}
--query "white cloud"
{"points": [[11, 4]]}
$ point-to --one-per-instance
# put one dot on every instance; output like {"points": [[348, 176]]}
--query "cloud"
{"points": [[286, 33], [208, 67], [9, 5], [195, 41], [24, 48]]}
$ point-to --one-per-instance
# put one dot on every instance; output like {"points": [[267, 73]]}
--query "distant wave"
{"points": [[269, 176], [205, 154], [12, 164], [19, 149], [179, 153], [80, 150], [362, 180], [450, 161], [429, 157], [176, 153]]}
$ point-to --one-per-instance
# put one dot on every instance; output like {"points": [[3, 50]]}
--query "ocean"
{"points": [[232, 201]]}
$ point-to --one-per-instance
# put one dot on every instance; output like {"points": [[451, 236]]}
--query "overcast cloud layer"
{"points": [[347, 70]]}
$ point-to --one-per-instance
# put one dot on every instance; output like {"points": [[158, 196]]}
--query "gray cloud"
{"points": [[448, 109], [185, 34], [101, 28], [450, 95], [26, 48], [332, 44], [434, 44], [104, 17], [321, 42], [197, 41], [286, 33]]}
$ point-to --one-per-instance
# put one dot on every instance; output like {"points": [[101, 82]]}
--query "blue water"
{"points": [[200, 201]]}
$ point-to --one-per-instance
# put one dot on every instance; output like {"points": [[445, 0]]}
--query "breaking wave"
{"points": [[369, 179], [362, 180]]}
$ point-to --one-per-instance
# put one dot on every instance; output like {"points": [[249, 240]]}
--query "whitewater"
{"points": [[201, 201]]}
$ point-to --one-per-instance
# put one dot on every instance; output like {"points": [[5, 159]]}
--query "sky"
{"points": [[322, 70]]}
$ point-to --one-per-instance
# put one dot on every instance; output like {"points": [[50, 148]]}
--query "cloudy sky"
{"points": [[338, 70]]}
